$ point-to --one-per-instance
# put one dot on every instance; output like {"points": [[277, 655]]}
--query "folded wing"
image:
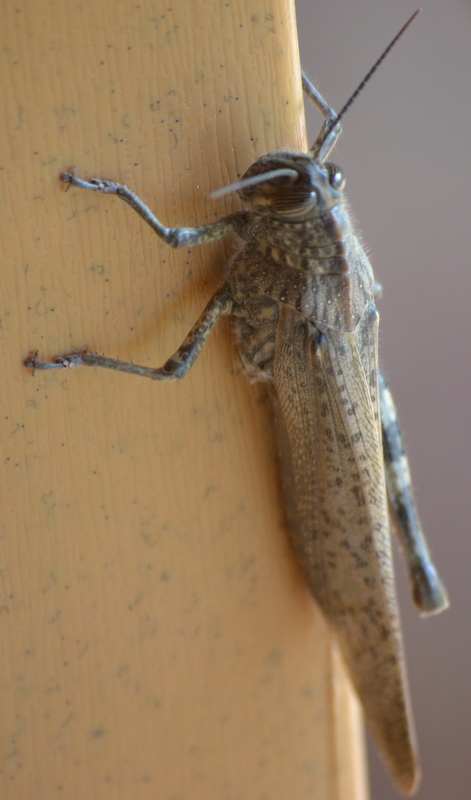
{"points": [[333, 471]]}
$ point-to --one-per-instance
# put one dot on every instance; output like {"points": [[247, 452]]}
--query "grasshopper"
{"points": [[303, 291]]}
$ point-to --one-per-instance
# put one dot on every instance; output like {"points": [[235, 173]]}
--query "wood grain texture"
{"points": [[161, 642]]}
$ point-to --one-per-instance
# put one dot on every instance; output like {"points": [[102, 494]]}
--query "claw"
{"points": [[68, 177], [60, 362], [32, 362]]}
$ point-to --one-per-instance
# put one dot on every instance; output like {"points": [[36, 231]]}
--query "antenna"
{"points": [[334, 122], [263, 177]]}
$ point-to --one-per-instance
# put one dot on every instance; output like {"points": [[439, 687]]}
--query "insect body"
{"points": [[303, 291]]}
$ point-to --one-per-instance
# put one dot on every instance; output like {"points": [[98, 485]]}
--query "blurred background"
{"points": [[405, 152]]}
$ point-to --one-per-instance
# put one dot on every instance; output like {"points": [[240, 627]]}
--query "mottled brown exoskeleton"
{"points": [[303, 291]]}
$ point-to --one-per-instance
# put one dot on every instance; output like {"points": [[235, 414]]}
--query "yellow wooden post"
{"points": [[158, 638]]}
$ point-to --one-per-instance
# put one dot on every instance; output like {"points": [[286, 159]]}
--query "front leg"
{"points": [[322, 146], [175, 237], [175, 367]]}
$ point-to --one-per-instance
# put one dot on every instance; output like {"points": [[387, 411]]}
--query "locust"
{"points": [[303, 292]]}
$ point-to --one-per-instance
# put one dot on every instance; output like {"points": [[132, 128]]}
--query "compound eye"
{"points": [[336, 179]]}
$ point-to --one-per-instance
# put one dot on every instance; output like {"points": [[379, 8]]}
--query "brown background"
{"points": [[405, 150], [116, 505]]}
